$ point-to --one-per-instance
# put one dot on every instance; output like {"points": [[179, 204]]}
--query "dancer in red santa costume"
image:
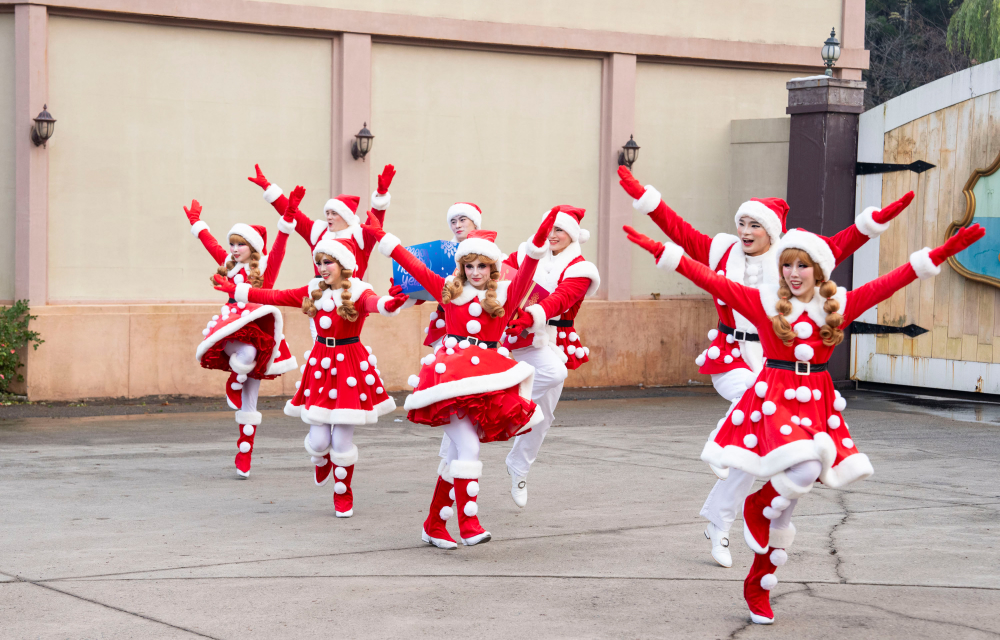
{"points": [[244, 339], [341, 386], [471, 387], [789, 427], [735, 357], [555, 345], [340, 216]]}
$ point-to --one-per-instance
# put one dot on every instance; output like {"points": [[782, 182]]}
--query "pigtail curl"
{"points": [[309, 304], [784, 306], [346, 309], [831, 332]]}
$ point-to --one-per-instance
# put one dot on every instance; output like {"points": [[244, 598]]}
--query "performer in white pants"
{"points": [[564, 278]]}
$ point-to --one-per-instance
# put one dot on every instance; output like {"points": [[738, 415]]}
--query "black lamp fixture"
{"points": [[831, 52], [362, 143], [45, 124], [628, 153]]}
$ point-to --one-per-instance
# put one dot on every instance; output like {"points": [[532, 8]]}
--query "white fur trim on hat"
{"points": [[762, 214], [286, 227], [384, 300], [387, 244], [536, 253], [242, 292], [816, 247], [272, 193], [466, 469], [248, 417], [380, 202], [345, 459], [478, 246], [572, 228], [538, 326], [249, 234], [338, 251], [198, 227], [671, 257], [467, 210], [923, 265], [343, 211], [649, 201], [866, 223]]}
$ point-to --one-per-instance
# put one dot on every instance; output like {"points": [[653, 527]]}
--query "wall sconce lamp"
{"points": [[831, 52], [362, 143], [45, 124], [628, 153]]}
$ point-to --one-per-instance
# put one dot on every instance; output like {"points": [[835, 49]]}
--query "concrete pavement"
{"points": [[137, 526]]}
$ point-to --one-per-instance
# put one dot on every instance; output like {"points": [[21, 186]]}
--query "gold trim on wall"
{"points": [[970, 211]]}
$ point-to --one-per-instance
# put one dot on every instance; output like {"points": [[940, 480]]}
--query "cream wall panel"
{"points": [[7, 156], [683, 116], [767, 21], [516, 134], [153, 116]]}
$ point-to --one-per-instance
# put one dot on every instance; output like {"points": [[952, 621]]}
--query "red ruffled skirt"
{"points": [[254, 324]]}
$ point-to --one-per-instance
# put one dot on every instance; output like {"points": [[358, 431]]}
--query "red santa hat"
{"points": [[339, 250], [479, 242], [821, 249], [769, 212], [255, 235], [346, 207], [568, 219], [467, 209]]}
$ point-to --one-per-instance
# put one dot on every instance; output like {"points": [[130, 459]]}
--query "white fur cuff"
{"points": [[648, 202], [923, 265], [384, 300], [248, 417], [466, 469], [781, 538], [242, 292], [380, 202], [671, 257], [313, 452], [345, 459], [387, 244], [538, 328], [286, 227], [866, 223], [536, 252], [444, 473], [272, 193], [198, 227]]}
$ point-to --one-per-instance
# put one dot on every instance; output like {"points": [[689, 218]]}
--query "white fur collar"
{"points": [[717, 249], [813, 308], [736, 265], [245, 266], [357, 288], [551, 267], [469, 292], [354, 231]]}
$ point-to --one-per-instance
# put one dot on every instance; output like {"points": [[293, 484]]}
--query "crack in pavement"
{"points": [[750, 623], [833, 543]]}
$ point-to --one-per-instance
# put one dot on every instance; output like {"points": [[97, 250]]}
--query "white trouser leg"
{"points": [[726, 499], [802, 474], [343, 438], [445, 447], [465, 437], [550, 374], [731, 385]]}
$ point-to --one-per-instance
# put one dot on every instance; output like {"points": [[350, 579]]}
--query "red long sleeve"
{"points": [[869, 294], [568, 293], [279, 297], [274, 260], [432, 282], [695, 243], [849, 241], [214, 248], [370, 302], [519, 285], [745, 300]]}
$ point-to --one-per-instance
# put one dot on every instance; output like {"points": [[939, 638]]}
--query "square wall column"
{"points": [[352, 108]]}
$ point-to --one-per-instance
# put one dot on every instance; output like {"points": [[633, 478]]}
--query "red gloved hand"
{"points": [[224, 285], [294, 198], [385, 179], [546, 228], [892, 210], [961, 241], [630, 184], [260, 180], [394, 289], [397, 301], [194, 213], [521, 323], [374, 227], [647, 243]]}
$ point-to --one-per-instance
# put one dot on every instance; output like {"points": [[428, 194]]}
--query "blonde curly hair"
{"points": [[454, 288]]}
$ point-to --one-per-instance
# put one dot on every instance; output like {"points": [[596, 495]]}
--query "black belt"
{"points": [[440, 310], [232, 301], [564, 324], [739, 334], [334, 342], [475, 341], [799, 367]]}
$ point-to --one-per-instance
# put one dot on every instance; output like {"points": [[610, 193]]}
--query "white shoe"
{"points": [[720, 545], [756, 619], [438, 542], [518, 488]]}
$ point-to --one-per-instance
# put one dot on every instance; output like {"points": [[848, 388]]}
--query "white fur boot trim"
{"points": [[248, 417], [445, 473], [313, 452], [788, 489], [466, 469], [239, 367], [345, 459], [781, 538]]}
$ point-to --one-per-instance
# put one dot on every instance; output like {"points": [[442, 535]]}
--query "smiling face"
{"points": [[461, 226], [329, 269], [558, 240], [239, 250], [800, 273], [753, 236], [334, 221]]}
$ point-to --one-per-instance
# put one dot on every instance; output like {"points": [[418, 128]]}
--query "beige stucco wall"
{"points": [[516, 134], [758, 159], [769, 21], [683, 122], [7, 156], [152, 116]]}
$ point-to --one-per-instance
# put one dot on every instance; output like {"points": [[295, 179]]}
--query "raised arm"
{"points": [[380, 199], [647, 200], [276, 198], [869, 225], [200, 230], [243, 292], [534, 317], [536, 248], [389, 246], [389, 305], [285, 227]]}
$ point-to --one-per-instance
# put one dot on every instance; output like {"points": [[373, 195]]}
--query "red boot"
{"points": [[234, 390], [321, 461], [248, 422], [761, 579], [343, 471], [466, 476], [755, 524], [435, 529]]}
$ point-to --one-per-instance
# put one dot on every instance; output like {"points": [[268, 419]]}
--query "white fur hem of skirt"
{"points": [[319, 415], [521, 375], [283, 366], [232, 327]]}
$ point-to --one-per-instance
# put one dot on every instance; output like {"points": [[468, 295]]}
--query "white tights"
{"points": [[341, 436], [802, 474], [464, 440]]}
